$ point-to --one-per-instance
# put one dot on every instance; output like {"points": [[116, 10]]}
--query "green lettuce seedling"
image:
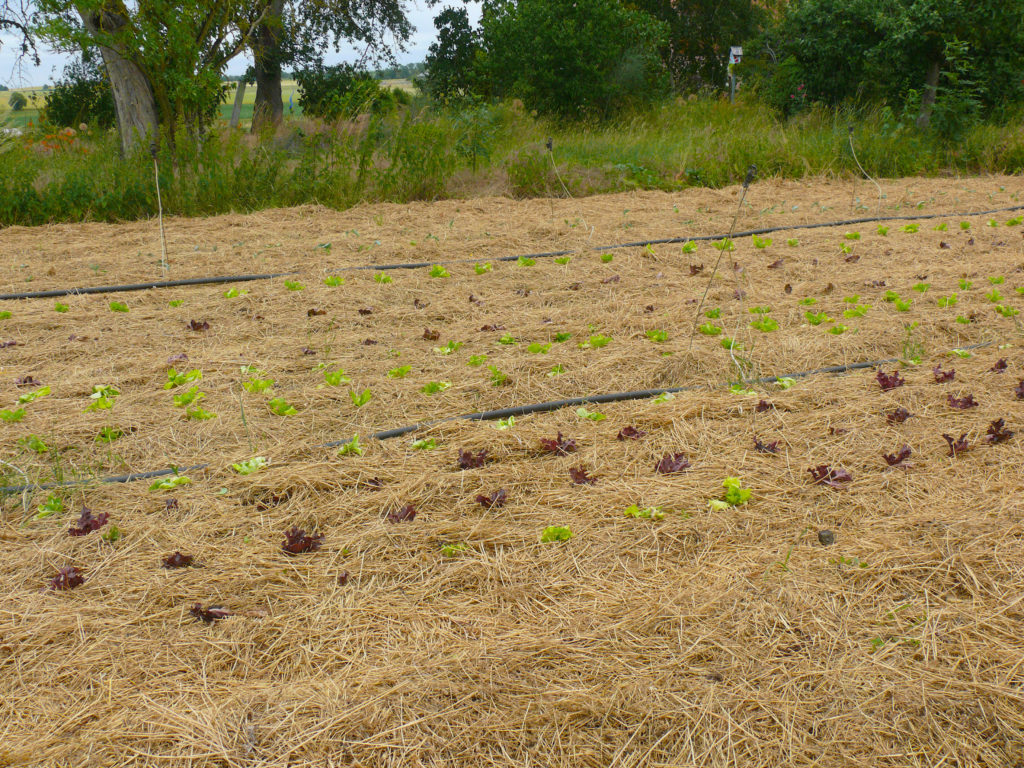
{"points": [[583, 413], [251, 465], [359, 399], [399, 373], [425, 444], [438, 271], [31, 397], [118, 306], [647, 513], [555, 533], [382, 278], [336, 378], [170, 483], [294, 285], [433, 387], [281, 407], [657, 336], [351, 448], [175, 379], [333, 281], [482, 268], [735, 494]]}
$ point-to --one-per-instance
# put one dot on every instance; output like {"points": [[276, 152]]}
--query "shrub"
{"points": [[82, 95], [17, 101], [342, 92]]}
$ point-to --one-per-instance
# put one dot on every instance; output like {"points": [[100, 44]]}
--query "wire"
{"points": [[160, 208], [544, 255], [866, 174]]}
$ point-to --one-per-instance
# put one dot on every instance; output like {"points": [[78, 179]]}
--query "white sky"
{"points": [[52, 65]]}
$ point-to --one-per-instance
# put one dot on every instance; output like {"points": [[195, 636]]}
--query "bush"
{"points": [[574, 58], [82, 95], [17, 101], [342, 92]]}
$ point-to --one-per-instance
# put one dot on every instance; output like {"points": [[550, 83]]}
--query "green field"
{"points": [[289, 90]]}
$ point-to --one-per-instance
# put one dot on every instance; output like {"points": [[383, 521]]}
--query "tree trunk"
{"points": [[268, 108], [133, 98], [931, 88], [236, 111]]}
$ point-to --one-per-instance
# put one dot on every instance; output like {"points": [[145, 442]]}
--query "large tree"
{"points": [[296, 32], [165, 60]]}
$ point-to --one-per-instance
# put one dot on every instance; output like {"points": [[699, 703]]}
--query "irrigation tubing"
{"points": [[544, 255], [500, 413], [143, 286]]}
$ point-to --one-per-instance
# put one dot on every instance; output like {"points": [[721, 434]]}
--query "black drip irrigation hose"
{"points": [[500, 413], [143, 286], [545, 255]]}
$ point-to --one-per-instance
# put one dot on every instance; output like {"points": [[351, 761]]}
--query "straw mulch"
{"points": [[708, 637]]}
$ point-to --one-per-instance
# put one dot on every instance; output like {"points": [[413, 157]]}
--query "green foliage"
{"points": [[359, 399], [17, 101], [351, 448], [336, 378], [175, 379], [341, 92], [433, 387], [450, 59], [583, 413], [170, 483], [250, 465], [82, 95], [281, 407], [555, 533], [572, 59]]}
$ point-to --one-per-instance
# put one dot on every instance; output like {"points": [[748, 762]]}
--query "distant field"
{"points": [[289, 90]]}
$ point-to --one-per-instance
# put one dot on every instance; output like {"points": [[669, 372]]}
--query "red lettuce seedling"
{"points": [[67, 578], [199, 325], [580, 477], [772, 447], [314, 312], [562, 446], [888, 381], [962, 403], [87, 523], [297, 541], [997, 432], [630, 433], [370, 342], [898, 416], [1000, 366], [833, 478], [308, 351], [776, 264], [178, 560], [343, 578], [672, 462], [491, 328], [26, 381], [429, 335], [897, 459], [495, 501], [171, 505], [696, 269], [941, 376], [957, 446], [403, 515], [364, 311], [208, 615], [470, 460], [1019, 390], [373, 484], [763, 406]]}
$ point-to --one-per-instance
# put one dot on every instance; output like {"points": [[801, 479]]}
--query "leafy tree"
{"points": [[17, 101], [700, 35], [950, 58], [573, 58], [83, 94], [341, 91], [451, 58]]}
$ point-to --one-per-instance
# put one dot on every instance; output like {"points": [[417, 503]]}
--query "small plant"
{"points": [[556, 370], [425, 444], [451, 550], [33, 443], [538, 349], [723, 245], [256, 385], [199, 414], [58, 307], [647, 513], [438, 271], [792, 242], [838, 330], [108, 435], [882, 230], [1007, 311], [507, 340], [562, 260], [118, 306], [902, 305], [739, 389], [191, 397], [297, 541], [475, 361], [170, 483], [859, 311], [498, 379], [595, 342], [294, 285], [5, 315], [433, 387], [351, 448], [709, 329], [713, 314], [382, 278], [689, 247], [53, 505], [765, 324], [554, 533], [359, 399], [524, 261], [250, 466], [176, 379], [281, 407], [583, 413], [333, 281], [960, 353], [12, 416], [965, 225], [941, 227], [852, 235], [785, 382], [910, 228], [817, 318], [234, 293], [945, 302], [31, 397], [731, 344], [761, 242], [399, 373], [657, 336], [921, 287], [449, 348], [482, 268], [999, 280], [336, 378], [175, 303]]}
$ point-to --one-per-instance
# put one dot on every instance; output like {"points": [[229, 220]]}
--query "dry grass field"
{"points": [[859, 614]]}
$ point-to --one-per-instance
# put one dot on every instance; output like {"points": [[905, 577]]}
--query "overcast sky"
{"points": [[53, 63]]}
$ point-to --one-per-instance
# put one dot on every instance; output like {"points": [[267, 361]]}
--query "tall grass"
{"points": [[422, 154]]}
